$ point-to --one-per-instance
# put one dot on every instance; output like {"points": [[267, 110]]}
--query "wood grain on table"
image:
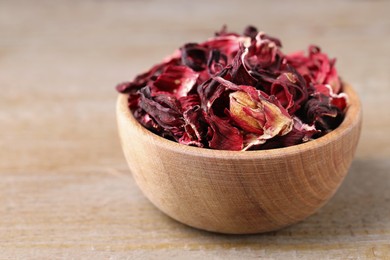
{"points": [[65, 189]]}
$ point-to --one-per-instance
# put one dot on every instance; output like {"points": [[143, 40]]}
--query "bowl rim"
{"points": [[352, 118]]}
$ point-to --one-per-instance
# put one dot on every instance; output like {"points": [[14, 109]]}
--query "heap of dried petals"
{"points": [[239, 92]]}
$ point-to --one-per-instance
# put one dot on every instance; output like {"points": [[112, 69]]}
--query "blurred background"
{"points": [[60, 158], [60, 61]]}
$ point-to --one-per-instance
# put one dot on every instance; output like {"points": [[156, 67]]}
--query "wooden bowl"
{"points": [[239, 192]]}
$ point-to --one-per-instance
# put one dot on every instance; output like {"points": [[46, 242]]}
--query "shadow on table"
{"points": [[360, 207]]}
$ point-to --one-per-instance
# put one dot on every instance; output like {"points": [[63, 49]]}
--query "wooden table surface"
{"points": [[65, 189]]}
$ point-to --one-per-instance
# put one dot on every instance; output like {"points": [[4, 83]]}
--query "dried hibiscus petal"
{"points": [[246, 112], [239, 92], [141, 80], [194, 56], [223, 135], [259, 115], [195, 127], [165, 111], [240, 74], [178, 80], [317, 68], [320, 112], [291, 91], [213, 89], [216, 62], [299, 133], [263, 53], [339, 100]]}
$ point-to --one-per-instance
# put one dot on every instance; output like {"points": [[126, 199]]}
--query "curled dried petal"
{"points": [[320, 112], [194, 56], [316, 68], [291, 91], [259, 115], [246, 112], [250, 31], [143, 79], [300, 133], [338, 100], [213, 89], [240, 73], [178, 80], [226, 44], [224, 136], [165, 111]]}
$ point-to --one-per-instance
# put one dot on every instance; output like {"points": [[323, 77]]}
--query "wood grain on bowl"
{"points": [[239, 192]]}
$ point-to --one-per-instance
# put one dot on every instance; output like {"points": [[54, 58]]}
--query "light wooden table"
{"points": [[65, 189]]}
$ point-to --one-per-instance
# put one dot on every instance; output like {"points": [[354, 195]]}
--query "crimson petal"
{"points": [[177, 80], [240, 74], [165, 110], [291, 91], [194, 56], [224, 136]]}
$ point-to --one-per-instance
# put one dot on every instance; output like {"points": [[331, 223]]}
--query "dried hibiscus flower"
{"points": [[239, 92]]}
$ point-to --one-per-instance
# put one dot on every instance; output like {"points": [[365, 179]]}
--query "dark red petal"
{"points": [[297, 59], [291, 91], [316, 68], [322, 89], [196, 125], [240, 74], [226, 44], [250, 31], [338, 100], [226, 83], [320, 111], [263, 53], [333, 80], [142, 79], [177, 80], [133, 100], [147, 121], [213, 89], [224, 136], [217, 62], [282, 93], [194, 56], [188, 140], [189, 101], [124, 87], [165, 110]]}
